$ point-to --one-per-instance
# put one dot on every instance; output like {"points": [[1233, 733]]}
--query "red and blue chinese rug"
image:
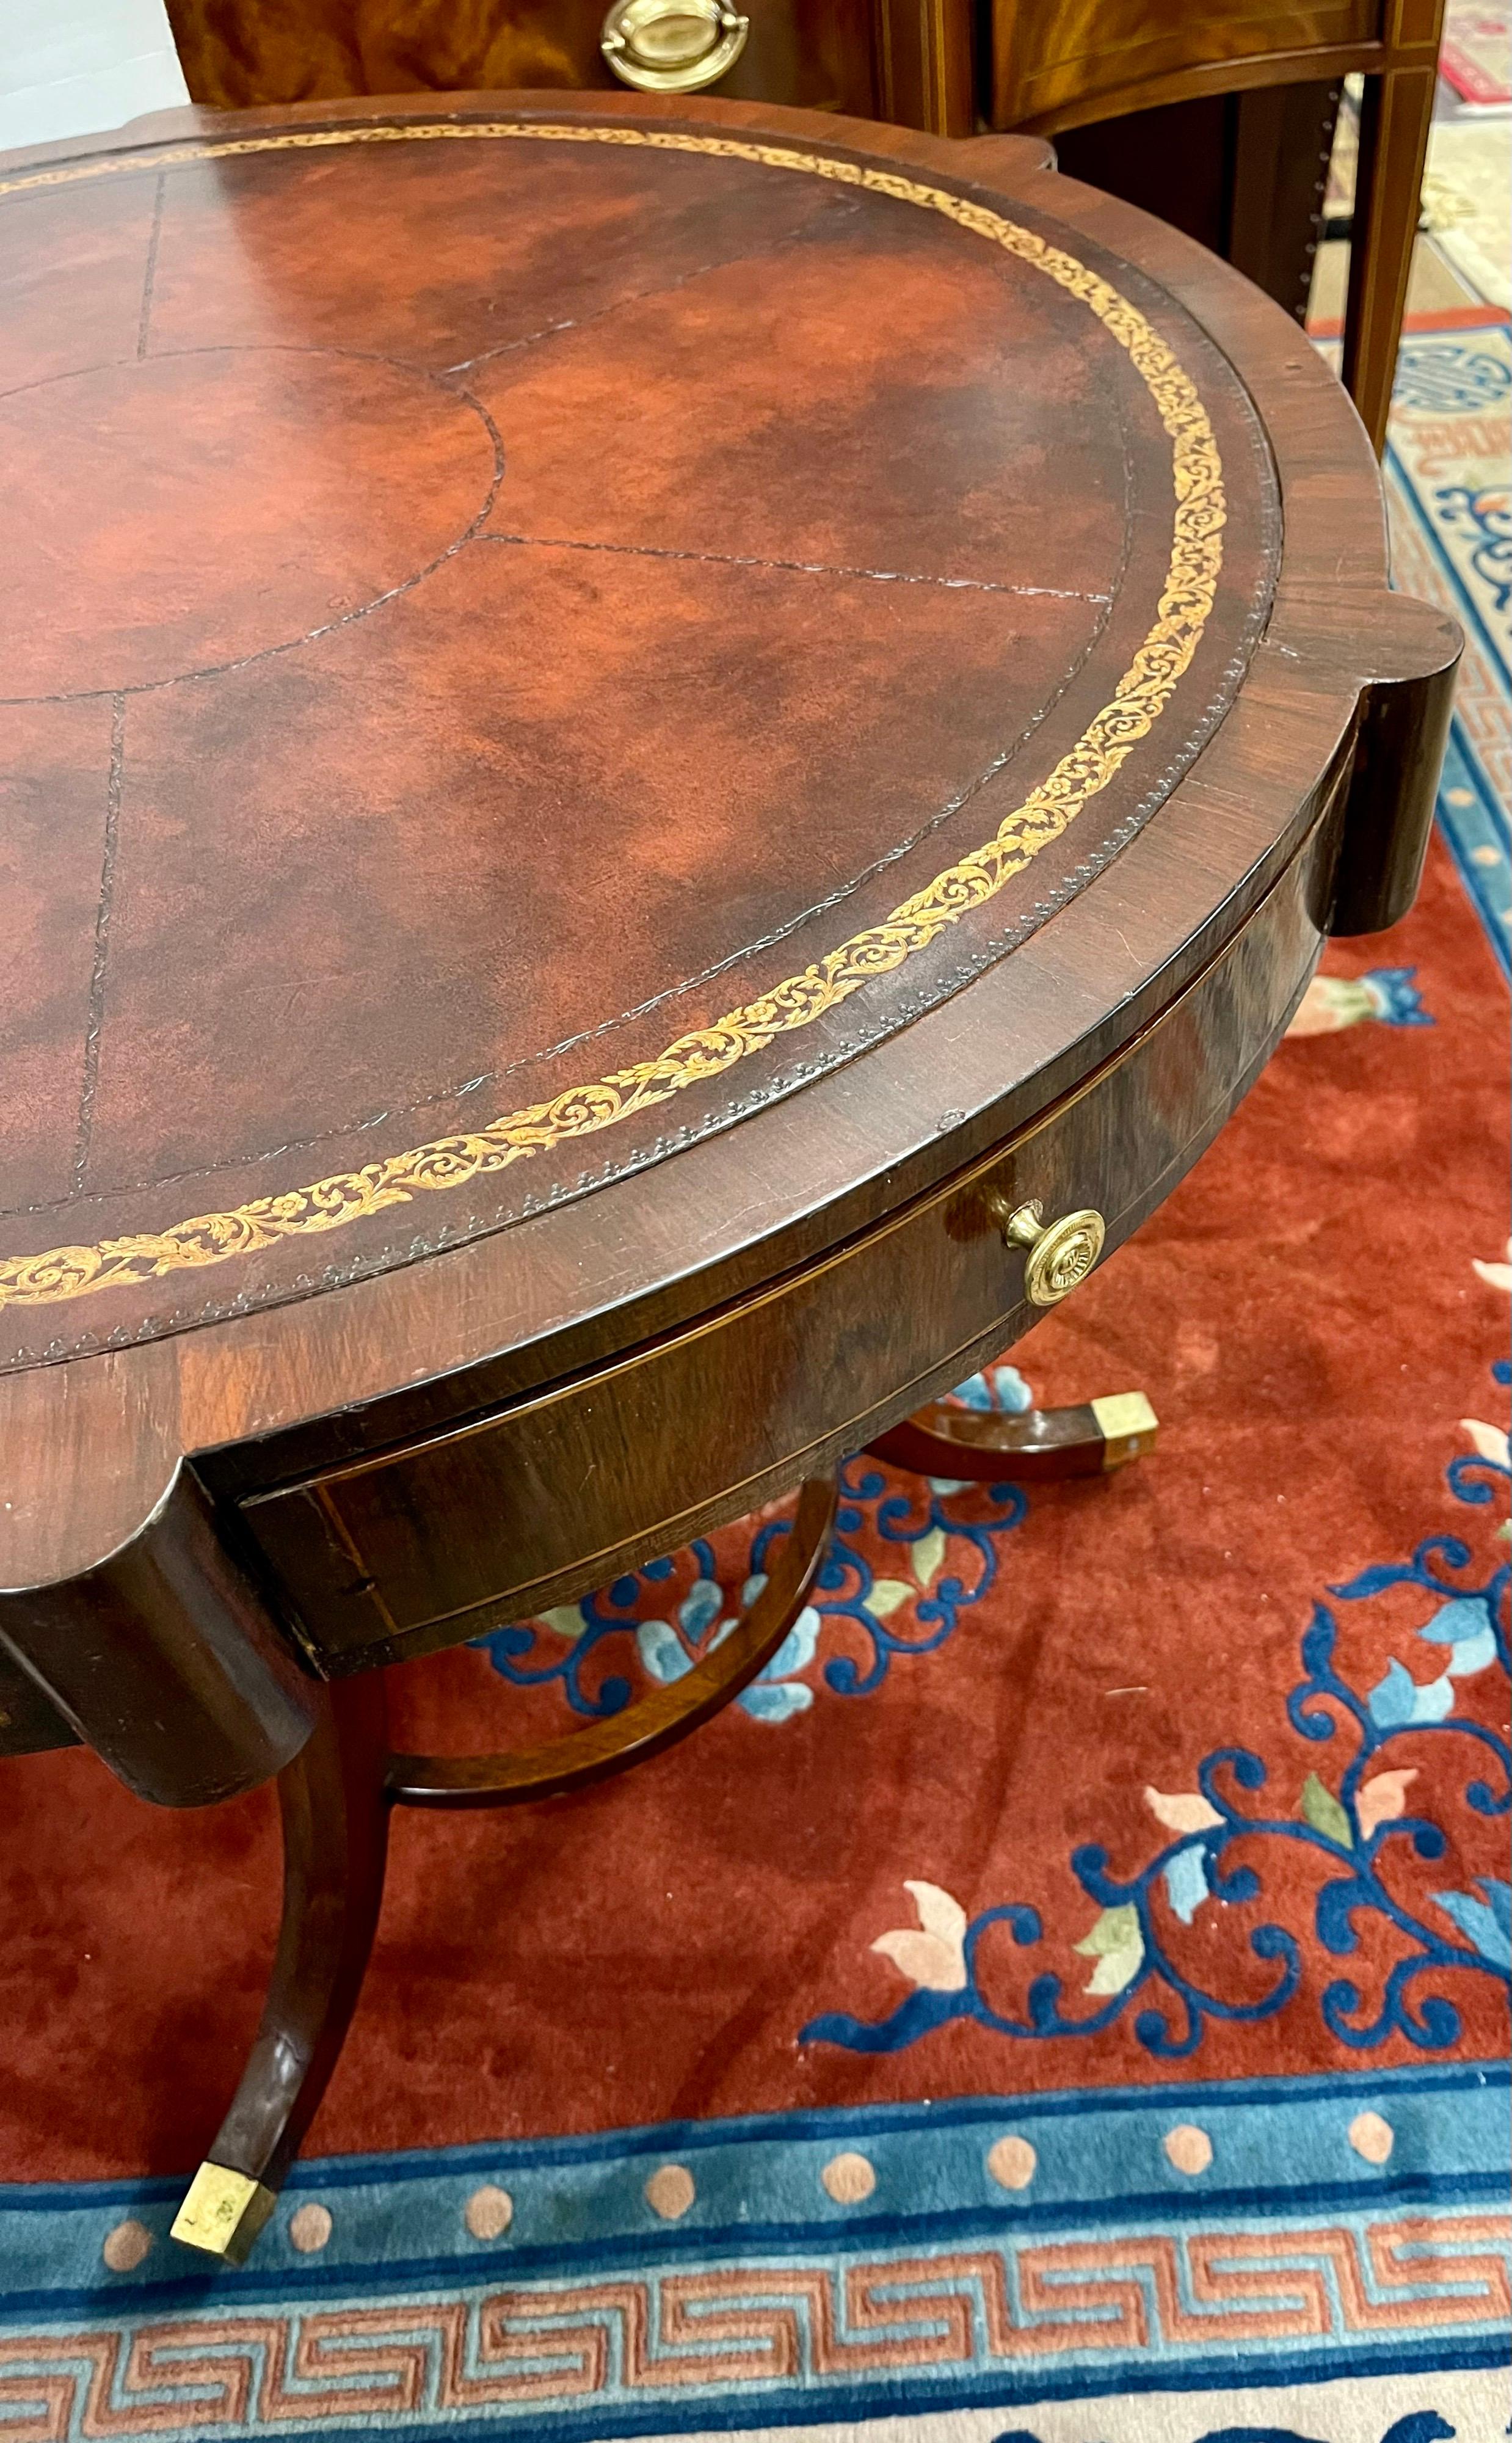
{"points": [[1065, 2001]]}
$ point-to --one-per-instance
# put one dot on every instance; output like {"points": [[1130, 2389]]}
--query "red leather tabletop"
{"points": [[523, 642]]}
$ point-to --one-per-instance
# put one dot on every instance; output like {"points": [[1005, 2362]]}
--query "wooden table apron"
{"points": [[242, 1454]]}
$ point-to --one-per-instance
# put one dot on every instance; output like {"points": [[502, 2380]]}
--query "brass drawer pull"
{"points": [[1057, 1254], [672, 46]]}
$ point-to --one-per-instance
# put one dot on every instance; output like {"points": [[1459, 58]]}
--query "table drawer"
{"points": [[488, 1522]]}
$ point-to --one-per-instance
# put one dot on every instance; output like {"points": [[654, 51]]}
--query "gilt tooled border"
{"points": [[1139, 698]]}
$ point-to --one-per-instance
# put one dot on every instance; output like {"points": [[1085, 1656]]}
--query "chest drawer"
{"points": [[845, 55], [1050, 59]]}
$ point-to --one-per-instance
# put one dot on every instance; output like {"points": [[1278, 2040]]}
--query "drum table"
{"points": [[659, 771]]}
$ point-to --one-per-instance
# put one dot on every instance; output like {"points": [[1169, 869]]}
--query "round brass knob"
{"points": [[672, 46], [1058, 1254]]}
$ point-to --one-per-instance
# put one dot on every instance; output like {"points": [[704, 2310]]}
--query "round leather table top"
{"points": [[523, 642]]}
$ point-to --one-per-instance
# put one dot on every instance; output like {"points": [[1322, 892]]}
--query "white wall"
{"points": [[69, 68]]}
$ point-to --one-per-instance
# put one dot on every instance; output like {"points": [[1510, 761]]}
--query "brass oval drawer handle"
{"points": [[1057, 1254], [672, 46]]}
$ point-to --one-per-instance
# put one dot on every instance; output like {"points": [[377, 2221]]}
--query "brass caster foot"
{"points": [[223, 2212], [1128, 1425]]}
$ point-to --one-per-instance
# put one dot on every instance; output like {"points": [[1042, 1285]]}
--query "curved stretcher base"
{"points": [[335, 1800], [334, 1797]]}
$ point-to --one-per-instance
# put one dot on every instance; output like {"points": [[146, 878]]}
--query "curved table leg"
{"points": [[334, 1799], [334, 1842], [668, 1715], [988, 1446]]}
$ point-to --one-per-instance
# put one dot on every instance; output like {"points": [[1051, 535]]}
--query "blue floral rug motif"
{"points": [[1351, 1818]]}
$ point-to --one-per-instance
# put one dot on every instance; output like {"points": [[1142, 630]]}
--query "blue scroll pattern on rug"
{"points": [[1350, 1816], [1420, 2425], [1443, 377], [1482, 513], [1452, 524]]}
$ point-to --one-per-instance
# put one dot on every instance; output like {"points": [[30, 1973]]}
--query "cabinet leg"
{"points": [[1395, 119], [335, 1813]]}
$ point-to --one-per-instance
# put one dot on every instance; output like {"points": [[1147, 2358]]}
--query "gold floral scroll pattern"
{"points": [[1139, 698]]}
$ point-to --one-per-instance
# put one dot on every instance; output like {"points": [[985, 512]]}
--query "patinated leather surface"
{"points": [[478, 612]]}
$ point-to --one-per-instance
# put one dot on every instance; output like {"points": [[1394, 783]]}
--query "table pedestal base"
{"points": [[334, 1797], [335, 1800]]}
